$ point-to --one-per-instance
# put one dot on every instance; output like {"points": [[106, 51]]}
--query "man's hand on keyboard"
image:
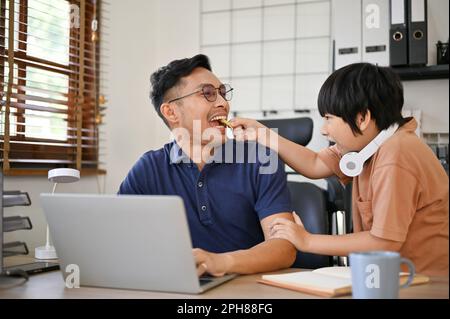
{"points": [[214, 264]]}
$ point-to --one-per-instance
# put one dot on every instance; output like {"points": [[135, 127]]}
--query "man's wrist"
{"points": [[228, 262]]}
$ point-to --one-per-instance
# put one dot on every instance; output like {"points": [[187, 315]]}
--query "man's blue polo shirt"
{"points": [[225, 201]]}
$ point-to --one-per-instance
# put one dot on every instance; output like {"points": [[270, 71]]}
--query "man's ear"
{"points": [[363, 120], [169, 113]]}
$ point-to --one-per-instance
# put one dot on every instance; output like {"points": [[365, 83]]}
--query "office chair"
{"points": [[308, 200], [348, 207], [340, 200], [339, 207]]}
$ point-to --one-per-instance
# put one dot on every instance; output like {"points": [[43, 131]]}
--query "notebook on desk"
{"points": [[129, 242], [325, 282]]}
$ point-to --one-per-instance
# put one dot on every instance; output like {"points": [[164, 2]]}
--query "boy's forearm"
{"points": [[270, 255], [303, 160], [342, 245]]}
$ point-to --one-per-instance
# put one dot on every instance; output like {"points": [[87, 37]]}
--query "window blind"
{"points": [[51, 104]]}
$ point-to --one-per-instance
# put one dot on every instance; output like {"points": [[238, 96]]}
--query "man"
{"points": [[230, 204]]}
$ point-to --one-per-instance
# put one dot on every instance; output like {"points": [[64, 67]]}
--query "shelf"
{"points": [[13, 223], [16, 198], [414, 73], [15, 248]]}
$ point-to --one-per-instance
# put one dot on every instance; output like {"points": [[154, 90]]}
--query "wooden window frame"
{"points": [[83, 112]]}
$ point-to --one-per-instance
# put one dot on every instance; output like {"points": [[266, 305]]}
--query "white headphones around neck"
{"points": [[351, 164]]}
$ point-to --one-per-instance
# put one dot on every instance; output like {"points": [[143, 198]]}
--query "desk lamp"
{"points": [[57, 175]]}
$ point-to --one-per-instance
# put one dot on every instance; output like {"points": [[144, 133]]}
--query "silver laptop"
{"points": [[130, 242]]}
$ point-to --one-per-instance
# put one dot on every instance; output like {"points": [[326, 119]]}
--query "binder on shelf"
{"points": [[16, 198], [13, 223], [375, 28], [418, 33], [347, 32], [398, 33]]}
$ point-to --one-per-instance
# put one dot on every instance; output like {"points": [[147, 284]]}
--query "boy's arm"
{"points": [[299, 158], [342, 245], [332, 245], [302, 160], [270, 255]]}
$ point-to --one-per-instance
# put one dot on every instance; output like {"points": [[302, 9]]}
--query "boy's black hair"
{"points": [[359, 87], [170, 75]]}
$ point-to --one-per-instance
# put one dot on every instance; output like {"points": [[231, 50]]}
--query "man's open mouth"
{"points": [[215, 121]]}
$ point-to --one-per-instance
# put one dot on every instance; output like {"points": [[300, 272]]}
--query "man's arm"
{"points": [[272, 254]]}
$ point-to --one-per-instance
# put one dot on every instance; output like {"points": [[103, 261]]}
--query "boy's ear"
{"points": [[169, 113], [363, 120]]}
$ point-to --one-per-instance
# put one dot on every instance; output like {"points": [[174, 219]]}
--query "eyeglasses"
{"points": [[210, 93]]}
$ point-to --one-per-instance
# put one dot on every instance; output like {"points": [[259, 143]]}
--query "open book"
{"points": [[325, 282]]}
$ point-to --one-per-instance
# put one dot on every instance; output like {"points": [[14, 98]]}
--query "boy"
{"points": [[400, 199]]}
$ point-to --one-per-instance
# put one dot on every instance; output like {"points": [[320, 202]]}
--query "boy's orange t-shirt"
{"points": [[402, 195]]}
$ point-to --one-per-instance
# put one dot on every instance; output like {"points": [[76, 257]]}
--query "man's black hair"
{"points": [[170, 75], [359, 87]]}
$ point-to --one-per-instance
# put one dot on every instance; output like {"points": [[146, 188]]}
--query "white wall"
{"points": [[143, 35], [130, 119], [177, 29], [176, 36], [431, 97]]}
